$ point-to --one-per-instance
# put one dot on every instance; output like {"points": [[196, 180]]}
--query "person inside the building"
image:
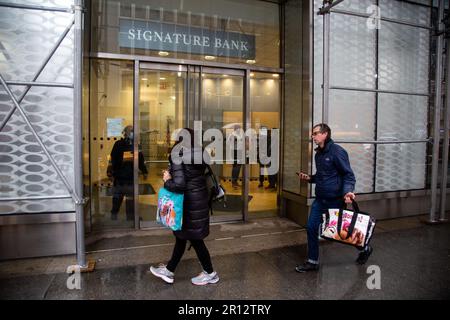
{"points": [[189, 178], [266, 133], [335, 183], [122, 173], [234, 139]]}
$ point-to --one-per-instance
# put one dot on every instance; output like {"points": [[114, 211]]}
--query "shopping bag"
{"points": [[170, 209], [346, 226]]}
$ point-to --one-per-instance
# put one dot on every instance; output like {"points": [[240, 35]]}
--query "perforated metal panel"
{"points": [[404, 58], [403, 53], [400, 167], [26, 39]]}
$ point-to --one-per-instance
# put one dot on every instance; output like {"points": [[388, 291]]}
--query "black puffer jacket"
{"points": [[190, 179]]}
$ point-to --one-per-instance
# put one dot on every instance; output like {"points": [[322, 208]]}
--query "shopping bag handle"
{"points": [[354, 205], [354, 217]]}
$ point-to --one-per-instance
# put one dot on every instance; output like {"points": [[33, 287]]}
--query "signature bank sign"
{"points": [[174, 38]]}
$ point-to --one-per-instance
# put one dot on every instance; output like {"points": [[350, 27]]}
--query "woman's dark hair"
{"points": [[180, 137], [324, 128], [193, 144]]}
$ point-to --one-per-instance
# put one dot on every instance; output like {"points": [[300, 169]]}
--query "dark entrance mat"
{"points": [[233, 202], [144, 189]]}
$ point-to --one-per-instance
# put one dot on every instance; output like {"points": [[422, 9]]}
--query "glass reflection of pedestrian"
{"points": [[122, 173]]}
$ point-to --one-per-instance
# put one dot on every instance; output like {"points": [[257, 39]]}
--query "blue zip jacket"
{"points": [[334, 177]]}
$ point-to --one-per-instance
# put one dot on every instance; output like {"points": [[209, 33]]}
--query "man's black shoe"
{"points": [[364, 255], [307, 266]]}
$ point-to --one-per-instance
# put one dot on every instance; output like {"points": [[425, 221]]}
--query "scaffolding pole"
{"points": [[81, 266], [446, 120], [325, 11], [437, 115]]}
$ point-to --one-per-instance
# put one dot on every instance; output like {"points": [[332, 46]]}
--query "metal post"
{"points": [[136, 137], [437, 116], [246, 125], [445, 142], [326, 64], [78, 135]]}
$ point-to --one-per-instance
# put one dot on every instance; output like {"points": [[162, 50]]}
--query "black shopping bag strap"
{"points": [[354, 217]]}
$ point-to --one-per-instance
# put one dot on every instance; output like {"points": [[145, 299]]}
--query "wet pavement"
{"points": [[413, 260]]}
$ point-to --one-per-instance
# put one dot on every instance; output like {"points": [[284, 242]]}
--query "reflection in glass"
{"points": [[111, 154]]}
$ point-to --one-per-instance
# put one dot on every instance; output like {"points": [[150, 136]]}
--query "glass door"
{"points": [[265, 109], [222, 108], [175, 96], [162, 98], [111, 144]]}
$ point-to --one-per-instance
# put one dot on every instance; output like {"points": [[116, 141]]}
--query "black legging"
{"points": [[200, 249]]}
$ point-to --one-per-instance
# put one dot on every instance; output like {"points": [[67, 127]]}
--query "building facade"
{"points": [[75, 73]]}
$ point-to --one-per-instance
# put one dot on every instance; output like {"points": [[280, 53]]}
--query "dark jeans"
{"points": [[314, 221], [272, 177], [235, 172], [200, 250], [122, 189], [318, 207]]}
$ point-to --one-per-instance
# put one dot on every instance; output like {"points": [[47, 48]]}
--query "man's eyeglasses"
{"points": [[315, 133]]}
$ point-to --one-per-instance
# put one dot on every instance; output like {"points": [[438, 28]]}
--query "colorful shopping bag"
{"points": [[170, 209], [346, 226]]}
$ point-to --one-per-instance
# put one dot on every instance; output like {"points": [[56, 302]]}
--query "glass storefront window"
{"points": [[111, 173], [293, 93], [225, 31], [222, 106], [265, 104]]}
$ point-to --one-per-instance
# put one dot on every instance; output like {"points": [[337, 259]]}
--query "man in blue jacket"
{"points": [[335, 183]]}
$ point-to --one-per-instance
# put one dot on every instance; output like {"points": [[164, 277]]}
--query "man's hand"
{"points": [[349, 197], [303, 176]]}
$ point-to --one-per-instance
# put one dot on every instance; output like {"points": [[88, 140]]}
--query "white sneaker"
{"points": [[162, 272], [204, 278]]}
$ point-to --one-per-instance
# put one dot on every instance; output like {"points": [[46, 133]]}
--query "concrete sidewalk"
{"points": [[254, 260]]}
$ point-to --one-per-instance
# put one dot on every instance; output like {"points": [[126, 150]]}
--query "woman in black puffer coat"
{"points": [[189, 178]]}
